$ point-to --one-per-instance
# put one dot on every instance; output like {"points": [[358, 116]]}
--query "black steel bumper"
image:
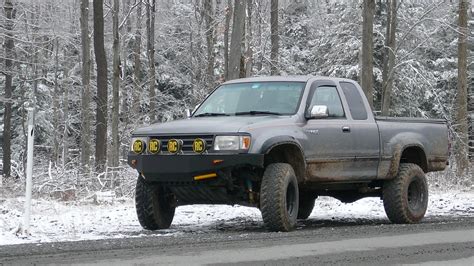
{"points": [[184, 167]]}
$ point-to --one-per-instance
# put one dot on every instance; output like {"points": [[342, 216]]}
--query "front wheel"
{"points": [[154, 204], [405, 198], [279, 197]]}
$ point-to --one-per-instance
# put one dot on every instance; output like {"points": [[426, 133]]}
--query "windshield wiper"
{"points": [[258, 113], [211, 114]]}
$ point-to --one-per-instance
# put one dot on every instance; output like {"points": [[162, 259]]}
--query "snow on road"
{"points": [[71, 221]]}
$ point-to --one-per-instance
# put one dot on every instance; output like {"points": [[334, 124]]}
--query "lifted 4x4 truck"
{"points": [[277, 143]]}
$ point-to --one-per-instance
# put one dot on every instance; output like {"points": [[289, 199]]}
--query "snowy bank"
{"points": [[63, 221]]}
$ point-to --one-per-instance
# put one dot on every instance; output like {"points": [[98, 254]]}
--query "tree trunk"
{"points": [[65, 139], [275, 37], [125, 88], [55, 153], [235, 52], [210, 41], [461, 114], [101, 61], [115, 86], [7, 115], [86, 90], [366, 76], [388, 70], [137, 67], [150, 28], [259, 63], [249, 37], [228, 17]]}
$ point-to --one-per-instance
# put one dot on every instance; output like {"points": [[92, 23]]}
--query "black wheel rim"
{"points": [[416, 195], [290, 199]]}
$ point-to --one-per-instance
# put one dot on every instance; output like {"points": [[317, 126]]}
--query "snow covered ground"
{"points": [[62, 221]]}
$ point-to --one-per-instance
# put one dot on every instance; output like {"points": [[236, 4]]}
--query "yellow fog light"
{"points": [[174, 146], [138, 146], [199, 146], [154, 146]]}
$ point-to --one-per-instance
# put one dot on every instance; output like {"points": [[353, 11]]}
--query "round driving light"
{"points": [[138, 146], [154, 146], [174, 146], [199, 146]]}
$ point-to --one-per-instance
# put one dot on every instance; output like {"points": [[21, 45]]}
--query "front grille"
{"points": [[187, 142]]}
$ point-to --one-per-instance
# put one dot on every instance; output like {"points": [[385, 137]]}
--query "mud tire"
{"points": [[306, 206], [405, 198], [279, 197], [154, 205]]}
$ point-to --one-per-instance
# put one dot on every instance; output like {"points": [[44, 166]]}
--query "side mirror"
{"points": [[319, 111], [188, 113]]}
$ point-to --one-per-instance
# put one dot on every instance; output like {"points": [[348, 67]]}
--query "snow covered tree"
{"points": [[461, 99], [235, 53], [8, 72], [101, 62], [366, 76]]}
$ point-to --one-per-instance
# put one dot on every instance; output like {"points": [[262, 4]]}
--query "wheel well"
{"points": [[287, 153], [415, 155]]}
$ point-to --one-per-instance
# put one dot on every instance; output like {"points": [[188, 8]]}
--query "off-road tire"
{"points": [[305, 206], [155, 208], [279, 197], [405, 198]]}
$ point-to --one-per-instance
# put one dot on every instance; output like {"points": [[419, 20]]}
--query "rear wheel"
{"points": [[306, 206], [279, 197], [405, 198], [154, 204]]}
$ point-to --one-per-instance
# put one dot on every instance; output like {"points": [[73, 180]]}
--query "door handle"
{"points": [[346, 129]]}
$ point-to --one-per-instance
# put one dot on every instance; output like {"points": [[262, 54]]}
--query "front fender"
{"points": [[278, 140]]}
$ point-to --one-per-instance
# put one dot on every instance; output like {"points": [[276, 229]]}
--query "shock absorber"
{"points": [[248, 183]]}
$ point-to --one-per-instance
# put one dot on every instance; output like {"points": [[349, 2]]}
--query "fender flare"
{"points": [[273, 142]]}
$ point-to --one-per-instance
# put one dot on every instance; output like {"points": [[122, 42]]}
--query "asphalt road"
{"points": [[436, 241]]}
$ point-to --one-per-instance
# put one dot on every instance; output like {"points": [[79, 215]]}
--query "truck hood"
{"points": [[211, 125]]}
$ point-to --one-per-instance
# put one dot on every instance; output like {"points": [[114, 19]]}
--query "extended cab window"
{"points": [[328, 95], [354, 99]]}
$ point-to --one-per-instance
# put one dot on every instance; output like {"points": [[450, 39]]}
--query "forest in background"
{"points": [[93, 81]]}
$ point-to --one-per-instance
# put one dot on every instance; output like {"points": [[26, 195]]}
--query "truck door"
{"points": [[329, 147], [364, 133]]}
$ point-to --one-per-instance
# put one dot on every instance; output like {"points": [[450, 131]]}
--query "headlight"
{"points": [[231, 143], [138, 145]]}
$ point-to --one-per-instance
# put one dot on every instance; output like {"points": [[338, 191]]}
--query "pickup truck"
{"points": [[277, 143]]}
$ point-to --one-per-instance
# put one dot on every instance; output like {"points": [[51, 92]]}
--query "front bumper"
{"points": [[184, 167]]}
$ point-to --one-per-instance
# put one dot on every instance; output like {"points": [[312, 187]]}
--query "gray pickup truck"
{"points": [[277, 143]]}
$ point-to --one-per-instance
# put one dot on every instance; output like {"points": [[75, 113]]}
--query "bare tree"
{"points": [[86, 90], [228, 17], [137, 62], [7, 115], [114, 153], [275, 37], [248, 40], [150, 28], [389, 61], [461, 112], [238, 25], [101, 61], [56, 107], [126, 51], [210, 40], [366, 76]]}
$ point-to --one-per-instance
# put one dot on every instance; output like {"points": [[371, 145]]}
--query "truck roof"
{"points": [[300, 78]]}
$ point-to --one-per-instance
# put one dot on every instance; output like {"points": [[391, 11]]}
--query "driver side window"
{"points": [[328, 95]]}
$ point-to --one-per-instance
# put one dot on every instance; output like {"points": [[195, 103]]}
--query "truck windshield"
{"points": [[253, 98]]}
